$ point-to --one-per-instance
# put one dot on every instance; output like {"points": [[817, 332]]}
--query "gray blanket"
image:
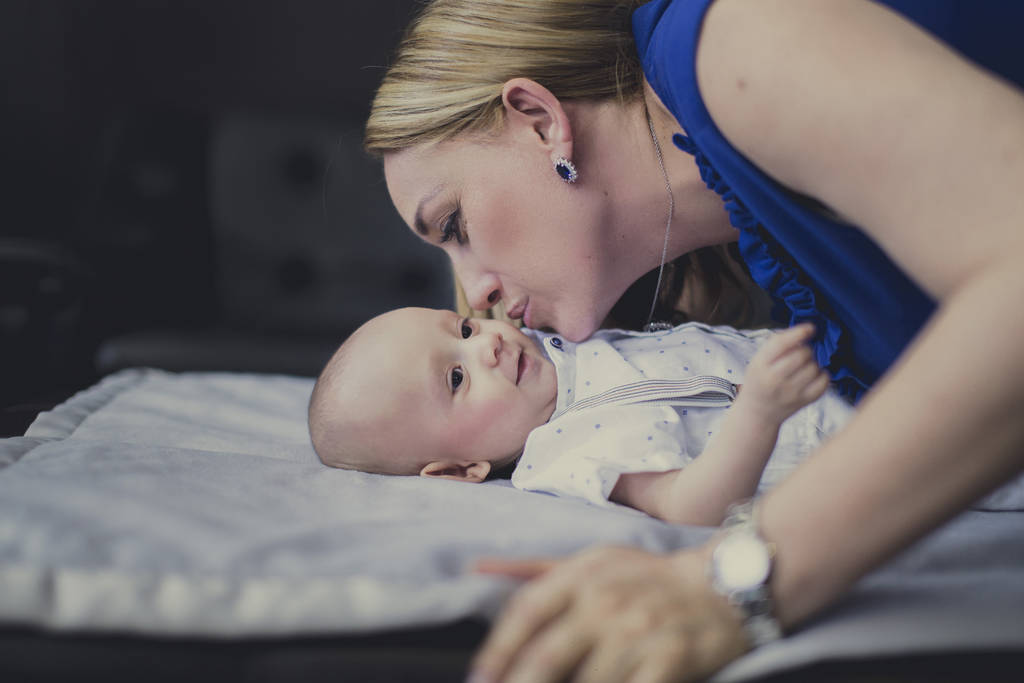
{"points": [[193, 504]]}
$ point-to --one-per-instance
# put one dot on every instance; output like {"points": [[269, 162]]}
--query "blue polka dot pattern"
{"points": [[619, 362]]}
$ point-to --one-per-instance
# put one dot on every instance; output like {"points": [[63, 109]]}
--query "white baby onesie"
{"points": [[582, 452]]}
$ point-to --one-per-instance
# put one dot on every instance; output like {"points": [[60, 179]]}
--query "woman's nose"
{"points": [[483, 290]]}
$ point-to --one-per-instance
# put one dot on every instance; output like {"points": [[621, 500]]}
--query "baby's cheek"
{"points": [[476, 421], [496, 411], [503, 420]]}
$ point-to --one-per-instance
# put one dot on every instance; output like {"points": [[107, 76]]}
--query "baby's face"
{"points": [[465, 389]]}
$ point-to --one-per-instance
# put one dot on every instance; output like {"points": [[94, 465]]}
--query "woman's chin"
{"points": [[575, 326], [577, 331]]}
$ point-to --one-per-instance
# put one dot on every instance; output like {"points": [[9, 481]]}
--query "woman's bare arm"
{"points": [[925, 152]]}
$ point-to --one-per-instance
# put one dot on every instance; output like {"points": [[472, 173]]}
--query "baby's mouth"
{"points": [[520, 366]]}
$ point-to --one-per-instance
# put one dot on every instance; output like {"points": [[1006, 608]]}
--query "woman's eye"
{"points": [[456, 378], [466, 329], [451, 230]]}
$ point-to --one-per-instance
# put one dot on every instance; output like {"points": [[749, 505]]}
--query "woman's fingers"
{"points": [[621, 652], [527, 612], [612, 615], [670, 630], [553, 654], [543, 610], [514, 569], [667, 659], [609, 661]]}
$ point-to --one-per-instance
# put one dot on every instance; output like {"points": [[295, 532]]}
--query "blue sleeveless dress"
{"points": [[866, 310]]}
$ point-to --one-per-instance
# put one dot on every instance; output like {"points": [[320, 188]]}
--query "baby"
{"points": [[620, 417]]}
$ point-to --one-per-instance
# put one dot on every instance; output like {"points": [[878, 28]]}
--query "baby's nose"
{"points": [[493, 348]]}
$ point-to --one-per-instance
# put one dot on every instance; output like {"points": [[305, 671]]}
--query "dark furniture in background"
{"points": [[184, 188]]}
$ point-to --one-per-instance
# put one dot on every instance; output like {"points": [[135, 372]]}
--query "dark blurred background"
{"points": [[184, 188]]}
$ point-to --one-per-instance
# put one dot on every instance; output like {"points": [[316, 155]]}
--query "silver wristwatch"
{"points": [[741, 565]]}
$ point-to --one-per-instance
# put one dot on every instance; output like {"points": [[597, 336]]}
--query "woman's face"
{"points": [[515, 232]]}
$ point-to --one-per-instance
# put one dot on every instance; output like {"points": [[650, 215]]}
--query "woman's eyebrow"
{"points": [[418, 223]]}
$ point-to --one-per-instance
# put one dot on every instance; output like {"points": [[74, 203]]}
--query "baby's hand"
{"points": [[783, 376]]}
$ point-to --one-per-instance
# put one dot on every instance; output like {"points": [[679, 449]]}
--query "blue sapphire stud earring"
{"points": [[566, 170]]}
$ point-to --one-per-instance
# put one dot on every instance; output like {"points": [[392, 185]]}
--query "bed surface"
{"points": [[192, 505]]}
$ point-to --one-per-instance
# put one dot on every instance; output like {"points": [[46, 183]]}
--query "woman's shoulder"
{"points": [[740, 67]]}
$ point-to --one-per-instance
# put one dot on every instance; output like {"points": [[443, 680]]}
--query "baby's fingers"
{"points": [[795, 360], [814, 389], [796, 335], [786, 341], [805, 379]]}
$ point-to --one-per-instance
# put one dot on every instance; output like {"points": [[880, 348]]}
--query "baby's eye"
{"points": [[456, 378], [466, 329]]}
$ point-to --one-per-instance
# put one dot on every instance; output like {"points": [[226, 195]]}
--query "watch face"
{"points": [[741, 561]]}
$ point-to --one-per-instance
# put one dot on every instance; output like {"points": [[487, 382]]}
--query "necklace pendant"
{"points": [[657, 326]]}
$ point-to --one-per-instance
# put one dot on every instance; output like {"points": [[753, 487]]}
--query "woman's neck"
{"points": [[620, 150], [700, 218]]}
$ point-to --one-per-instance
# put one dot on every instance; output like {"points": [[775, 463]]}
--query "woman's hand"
{"points": [[610, 614]]}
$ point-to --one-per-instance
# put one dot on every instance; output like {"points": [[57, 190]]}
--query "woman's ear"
{"points": [[473, 472], [531, 110]]}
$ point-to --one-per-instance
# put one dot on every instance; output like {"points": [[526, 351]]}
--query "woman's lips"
{"points": [[528, 316], [516, 311]]}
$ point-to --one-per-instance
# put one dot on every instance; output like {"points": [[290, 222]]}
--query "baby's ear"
{"points": [[473, 472]]}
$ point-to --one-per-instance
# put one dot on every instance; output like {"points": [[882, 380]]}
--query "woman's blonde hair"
{"points": [[446, 79], [447, 74]]}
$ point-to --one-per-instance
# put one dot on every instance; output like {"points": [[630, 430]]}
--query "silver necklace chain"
{"points": [[652, 326]]}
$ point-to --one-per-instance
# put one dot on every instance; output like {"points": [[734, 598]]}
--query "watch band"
{"points": [[754, 600]]}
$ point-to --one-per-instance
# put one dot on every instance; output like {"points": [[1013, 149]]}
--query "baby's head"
{"points": [[423, 391]]}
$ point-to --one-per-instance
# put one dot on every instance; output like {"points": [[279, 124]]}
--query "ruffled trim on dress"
{"points": [[793, 298]]}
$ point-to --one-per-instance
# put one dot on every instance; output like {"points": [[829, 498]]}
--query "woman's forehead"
{"points": [[421, 169], [421, 165], [414, 178]]}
